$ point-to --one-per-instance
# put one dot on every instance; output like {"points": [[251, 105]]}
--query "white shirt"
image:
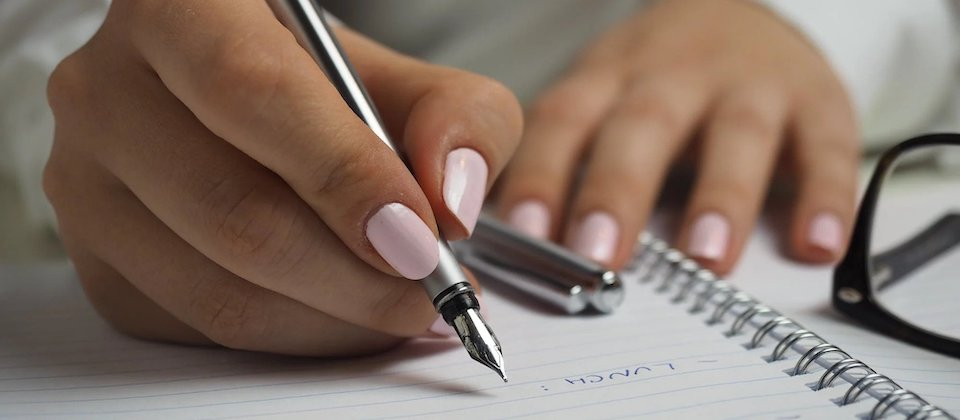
{"points": [[899, 60]]}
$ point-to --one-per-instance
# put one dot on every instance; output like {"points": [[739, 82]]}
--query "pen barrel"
{"points": [[306, 20], [447, 286], [541, 268], [447, 280]]}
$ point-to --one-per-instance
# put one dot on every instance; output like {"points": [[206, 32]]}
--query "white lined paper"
{"points": [[650, 358], [645, 349]]}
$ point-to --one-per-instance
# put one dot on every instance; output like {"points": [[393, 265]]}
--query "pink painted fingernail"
{"points": [[826, 232], [532, 218], [597, 237], [710, 237], [441, 328], [465, 185], [404, 241]]}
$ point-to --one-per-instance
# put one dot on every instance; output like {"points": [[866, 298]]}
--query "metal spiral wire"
{"points": [[815, 353], [656, 261], [746, 316], [838, 369]]}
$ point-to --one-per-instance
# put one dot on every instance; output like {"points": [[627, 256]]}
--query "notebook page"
{"points": [[803, 292], [650, 358]]}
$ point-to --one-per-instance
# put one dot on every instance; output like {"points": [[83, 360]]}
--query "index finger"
{"points": [[248, 81]]}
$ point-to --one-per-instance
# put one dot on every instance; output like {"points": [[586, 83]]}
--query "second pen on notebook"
{"points": [[541, 269]]}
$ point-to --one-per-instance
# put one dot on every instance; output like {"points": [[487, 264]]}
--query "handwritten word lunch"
{"points": [[623, 373]]}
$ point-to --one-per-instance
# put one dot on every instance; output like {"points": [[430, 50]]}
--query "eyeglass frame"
{"points": [[852, 291]]}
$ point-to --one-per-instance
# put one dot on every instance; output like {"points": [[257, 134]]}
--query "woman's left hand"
{"points": [[725, 78]]}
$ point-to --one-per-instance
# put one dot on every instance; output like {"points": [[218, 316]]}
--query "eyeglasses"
{"points": [[901, 274]]}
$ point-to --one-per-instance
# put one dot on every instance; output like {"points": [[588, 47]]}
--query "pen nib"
{"points": [[479, 341]]}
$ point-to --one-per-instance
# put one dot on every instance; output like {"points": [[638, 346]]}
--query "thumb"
{"points": [[458, 129]]}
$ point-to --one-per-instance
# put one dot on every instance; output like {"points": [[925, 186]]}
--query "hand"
{"points": [[724, 78], [212, 186]]}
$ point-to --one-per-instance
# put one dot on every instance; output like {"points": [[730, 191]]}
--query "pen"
{"points": [[448, 288], [539, 268]]}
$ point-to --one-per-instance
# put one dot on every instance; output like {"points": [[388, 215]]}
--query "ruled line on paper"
{"points": [[385, 374], [701, 403], [711, 385], [791, 410], [666, 333], [559, 361], [509, 385]]}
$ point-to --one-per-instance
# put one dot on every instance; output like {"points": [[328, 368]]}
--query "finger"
{"points": [[458, 130], [740, 145], [633, 150], [198, 294], [124, 306], [826, 153], [238, 214], [560, 125], [245, 77]]}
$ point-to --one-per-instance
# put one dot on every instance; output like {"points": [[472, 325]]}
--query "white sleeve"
{"points": [[34, 36], [899, 60]]}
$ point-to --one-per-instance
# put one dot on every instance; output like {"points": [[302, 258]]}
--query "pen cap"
{"points": [[545, 263], [567, 296]]}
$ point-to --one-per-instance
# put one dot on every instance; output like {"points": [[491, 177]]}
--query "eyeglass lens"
{"points": [[915, 240]]}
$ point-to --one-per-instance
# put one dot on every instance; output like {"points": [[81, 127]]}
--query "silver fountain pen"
{"points": [[448, 287]]}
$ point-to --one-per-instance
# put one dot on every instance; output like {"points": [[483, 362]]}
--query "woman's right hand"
{"points": [[212, 186]]}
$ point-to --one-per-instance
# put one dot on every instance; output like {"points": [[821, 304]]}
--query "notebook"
{"points": [[652, 358]]}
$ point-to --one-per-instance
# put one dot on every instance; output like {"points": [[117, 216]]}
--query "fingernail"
{"points": [[404, 241], [532, 218], [826, 232], [441, 328], [597, 237], [465, 185], [710, 237]]}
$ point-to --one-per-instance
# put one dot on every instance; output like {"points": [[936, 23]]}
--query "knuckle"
{"points": [[67, 85], [652, 109], [833, 182], [245, 76], [229, 316], [492, 116], [750, 120], [846, 192], [494, 94], [740, 192], [109, 294], [833, 151], [561, 106], [144, 10], [844, 150], [255, 225], [53, 181], [344, 171], [153, 17]]}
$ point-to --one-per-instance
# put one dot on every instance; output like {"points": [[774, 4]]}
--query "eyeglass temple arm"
{"points": [[893, 265]]}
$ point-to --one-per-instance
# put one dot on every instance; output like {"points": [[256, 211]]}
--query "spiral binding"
{"points": [[838, 369], [656, 262]]}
